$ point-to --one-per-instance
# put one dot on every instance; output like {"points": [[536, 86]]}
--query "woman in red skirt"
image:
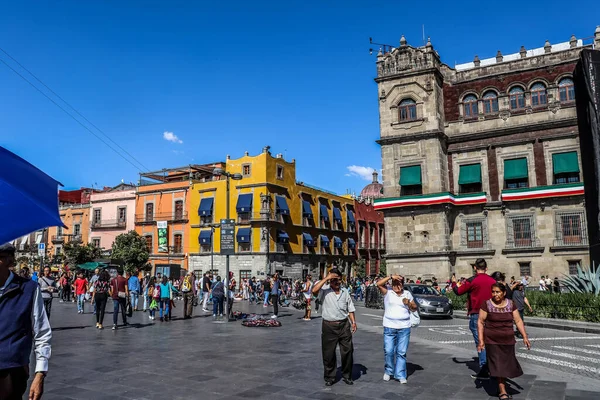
{"points": [[496, 335]]}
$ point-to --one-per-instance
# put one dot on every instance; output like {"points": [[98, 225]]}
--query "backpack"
{"points": [[187, 285], [156, 293]]}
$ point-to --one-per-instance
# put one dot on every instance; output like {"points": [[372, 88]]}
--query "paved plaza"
{"points": [[198, 358]]}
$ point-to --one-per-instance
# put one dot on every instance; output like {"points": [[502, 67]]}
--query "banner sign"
{"points": [[227, 236], [163, 242]]}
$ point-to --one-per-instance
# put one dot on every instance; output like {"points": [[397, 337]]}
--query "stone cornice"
{"points": [[567, 122], [433, 134]]}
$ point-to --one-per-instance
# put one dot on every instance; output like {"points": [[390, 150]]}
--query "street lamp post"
{"points": [[236, 177]]}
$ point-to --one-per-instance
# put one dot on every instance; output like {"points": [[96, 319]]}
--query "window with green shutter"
{"points": [[565, 167], [410, 180], [516, 175], [469, 178]]}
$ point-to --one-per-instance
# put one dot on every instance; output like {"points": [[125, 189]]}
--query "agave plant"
{"points": [[587, 280]]}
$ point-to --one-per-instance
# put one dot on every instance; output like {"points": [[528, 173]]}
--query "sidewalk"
{"points": [[551, 323]]}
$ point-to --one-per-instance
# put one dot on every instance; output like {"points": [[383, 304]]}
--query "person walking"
{"points": [[206, 285], [266, 290], [500, 277], [47, 285], [275, 294], [252, 290], [218, 296], [520, 301], [307, 293], [119, 293], [495, 326], [542, 284], [399, 303], [166, 293], [24, 324], [81, 288], [133, 284], [188, 288], [478, 289], [231, 284], [93, 281], [100, 296], [145, 290], [337, 328]]}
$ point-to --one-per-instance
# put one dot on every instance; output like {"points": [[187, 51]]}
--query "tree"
{"points": [[382, 267], [76, 253], [359, 267], [131, 248]]}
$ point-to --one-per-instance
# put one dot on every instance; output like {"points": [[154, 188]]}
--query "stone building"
{"points": [[371, 230], [482, 160]]}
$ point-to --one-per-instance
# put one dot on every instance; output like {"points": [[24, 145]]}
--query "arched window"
{"points": [[470, 106], [538, 95], [517, 98], [407, 110], [566, 90], [490, 102]]}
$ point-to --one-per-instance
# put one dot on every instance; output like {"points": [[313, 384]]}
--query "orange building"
{"points": [[162, 214]]}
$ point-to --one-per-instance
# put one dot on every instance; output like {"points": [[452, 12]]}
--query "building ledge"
{"points": [[540, 192], [475, 252], [583, 247], [430, 199], [521, 250]]}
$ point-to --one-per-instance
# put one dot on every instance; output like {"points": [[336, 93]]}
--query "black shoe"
{"points": [[328, 383], [348, 381], [161, 319], [482, 375]]}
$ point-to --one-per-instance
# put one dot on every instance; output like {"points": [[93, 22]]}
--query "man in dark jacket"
{"points": [[23, 325], [478, 289]]}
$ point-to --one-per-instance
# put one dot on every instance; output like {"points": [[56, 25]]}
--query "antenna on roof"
{"points": [[424, 35]]}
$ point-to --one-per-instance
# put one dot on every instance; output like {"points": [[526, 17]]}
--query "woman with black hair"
{"points": [[100, 296], [495, 328]]}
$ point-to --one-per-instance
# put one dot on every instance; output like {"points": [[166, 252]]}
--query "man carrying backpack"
{"points": [[188, 287]]}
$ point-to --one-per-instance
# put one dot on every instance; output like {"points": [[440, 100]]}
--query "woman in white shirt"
{"points": [[398, 304]]}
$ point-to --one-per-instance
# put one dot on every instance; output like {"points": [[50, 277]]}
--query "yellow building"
{"points": [[76, 218], [281, 225]]}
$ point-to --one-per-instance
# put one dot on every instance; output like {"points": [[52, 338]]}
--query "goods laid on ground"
{"points": [[258, 320]]}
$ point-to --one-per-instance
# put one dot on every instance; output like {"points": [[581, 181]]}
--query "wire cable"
{"points": [[69, 114]]}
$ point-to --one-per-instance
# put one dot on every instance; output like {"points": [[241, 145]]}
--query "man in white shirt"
{"points": [[542, 284], [338, 326], [24, 325]]}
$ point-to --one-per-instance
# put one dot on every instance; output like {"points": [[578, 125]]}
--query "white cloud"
{"points": [[364, 173], [171, 137]]}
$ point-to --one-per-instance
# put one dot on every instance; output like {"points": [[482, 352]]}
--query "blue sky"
{"points": [[225, 79]]}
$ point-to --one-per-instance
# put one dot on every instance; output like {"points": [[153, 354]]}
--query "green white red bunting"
{"points": [[572, 189], [431, 199]]}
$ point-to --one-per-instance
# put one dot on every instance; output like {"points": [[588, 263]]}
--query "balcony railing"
{"points": [[168, 216], [266, 216], [109, 223], [522, 243], [571, 241], [75, 238], [58, 238]]}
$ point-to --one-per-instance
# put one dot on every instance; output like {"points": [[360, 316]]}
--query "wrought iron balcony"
{"points": [[262, 216], [58, 238], [166, 216], [109, 223], [574, 241], [522, 243]]}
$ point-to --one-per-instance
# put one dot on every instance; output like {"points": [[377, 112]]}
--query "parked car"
{"points": [[430, 301]]}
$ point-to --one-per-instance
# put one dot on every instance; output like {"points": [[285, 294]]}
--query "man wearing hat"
{"points": [[23, 325]]}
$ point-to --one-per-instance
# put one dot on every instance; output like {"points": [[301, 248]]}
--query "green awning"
{"points": [[410, 175], [515, 168], [469, 174], [90, 266], [565, 162]]}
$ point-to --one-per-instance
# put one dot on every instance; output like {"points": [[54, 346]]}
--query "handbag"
{"points": [[129, 310], [415, 319]]}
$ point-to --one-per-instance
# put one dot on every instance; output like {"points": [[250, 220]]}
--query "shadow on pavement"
{"points": [[412, 368], [357, 371], [67, 328]]}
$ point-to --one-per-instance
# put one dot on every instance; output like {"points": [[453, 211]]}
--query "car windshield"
{"points": [[423, 290]]}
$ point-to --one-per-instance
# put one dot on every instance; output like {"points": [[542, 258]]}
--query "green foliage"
{"points": [[131, 248], [587, 280], [383, 267], [76, 253], [359, 267], [572, 306]]}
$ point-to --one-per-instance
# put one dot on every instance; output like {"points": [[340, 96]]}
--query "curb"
{"points": [[560, 325]]}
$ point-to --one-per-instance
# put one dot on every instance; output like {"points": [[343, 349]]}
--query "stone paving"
{"points": [[198, 358]]}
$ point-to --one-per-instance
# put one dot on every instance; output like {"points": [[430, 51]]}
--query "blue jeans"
{"points": [[80, 302], [473, 318], [395, 343], [218, 305], [267, 294], [134, 300], [164, 305]]}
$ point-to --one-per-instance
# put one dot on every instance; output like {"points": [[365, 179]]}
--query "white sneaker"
{"points": [[386, 377], [273, 316], [403, 381]]}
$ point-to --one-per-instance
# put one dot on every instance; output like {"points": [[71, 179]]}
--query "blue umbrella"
{"points": [[28, 198]]}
